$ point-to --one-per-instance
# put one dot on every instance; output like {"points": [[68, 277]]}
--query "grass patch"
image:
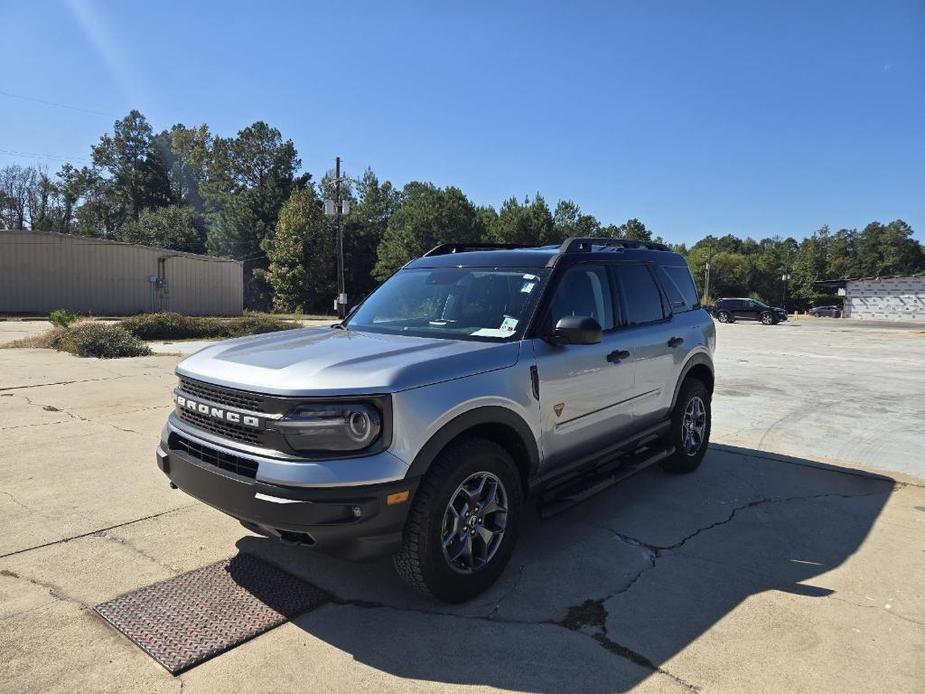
{"points": [[86, 339], [174, 326]]}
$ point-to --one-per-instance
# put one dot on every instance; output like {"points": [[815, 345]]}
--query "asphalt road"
{"points": [[791, 561]]}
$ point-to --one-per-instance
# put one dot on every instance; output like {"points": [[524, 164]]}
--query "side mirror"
{"points": [[577, 330]]}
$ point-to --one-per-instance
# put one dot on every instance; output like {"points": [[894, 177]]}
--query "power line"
{"points": [[55, 104], [37, 155]]}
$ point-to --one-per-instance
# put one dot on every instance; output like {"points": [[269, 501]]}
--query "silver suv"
{"points": [[475, 376]]}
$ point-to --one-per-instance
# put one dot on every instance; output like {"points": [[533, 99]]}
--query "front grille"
{"points": [[220, 395], [223, 461], [220, 427]]}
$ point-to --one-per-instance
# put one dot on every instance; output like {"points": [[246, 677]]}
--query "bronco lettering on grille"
{"points": [[218, 412]]}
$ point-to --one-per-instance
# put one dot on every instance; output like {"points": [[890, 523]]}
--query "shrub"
{"points": [[50, 339], [165, 326], [62, 317], [103, 340], [173, 326], [254, 325]]}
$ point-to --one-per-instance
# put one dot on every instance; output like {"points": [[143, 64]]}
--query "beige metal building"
{"points": [[42, 271]]}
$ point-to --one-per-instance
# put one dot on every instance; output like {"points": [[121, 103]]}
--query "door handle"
{"points": [[675, 341], [618, 354]]}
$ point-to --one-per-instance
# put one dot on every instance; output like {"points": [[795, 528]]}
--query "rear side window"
{"points": [[679, 285], [642, 300]]}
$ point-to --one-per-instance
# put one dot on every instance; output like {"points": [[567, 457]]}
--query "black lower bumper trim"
{"points": [[349, 522]]}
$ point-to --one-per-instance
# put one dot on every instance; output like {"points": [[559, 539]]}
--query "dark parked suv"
{"points": [[731, 310]]}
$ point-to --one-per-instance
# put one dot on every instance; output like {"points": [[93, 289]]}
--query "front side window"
{"points": [[456, 303], [583, 291], [642, 300]]}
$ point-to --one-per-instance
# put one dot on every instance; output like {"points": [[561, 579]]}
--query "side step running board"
{"points": [[586, 487]]}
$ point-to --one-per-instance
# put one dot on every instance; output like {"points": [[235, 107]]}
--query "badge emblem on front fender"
{"points": [[558, 408]]}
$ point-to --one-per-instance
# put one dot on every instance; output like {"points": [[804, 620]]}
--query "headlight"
{"points": [[331, 427]]}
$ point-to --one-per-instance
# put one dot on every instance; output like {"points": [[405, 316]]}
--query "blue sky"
{"points": [[753, 118]]}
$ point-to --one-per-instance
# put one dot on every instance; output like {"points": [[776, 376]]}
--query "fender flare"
{"points": [[489, 414], [698, 359]]}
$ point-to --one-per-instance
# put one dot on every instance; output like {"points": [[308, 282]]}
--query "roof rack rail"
{"points": [[447, 248], [579, 244]]}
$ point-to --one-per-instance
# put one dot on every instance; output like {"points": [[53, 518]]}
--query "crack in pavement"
{"points": [[508, 593], [892, 613], [77, 417], [53, 590], [66, 383], [95, 532], [592, 612], [106, 535], [656, 550], [573, 626]]}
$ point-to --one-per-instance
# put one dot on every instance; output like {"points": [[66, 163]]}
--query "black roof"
{"points": [[511, 255]]}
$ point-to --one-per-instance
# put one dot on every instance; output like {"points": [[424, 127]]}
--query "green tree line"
{"points": [[246, 197]]}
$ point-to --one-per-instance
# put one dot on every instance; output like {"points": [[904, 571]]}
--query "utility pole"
{"points": [[341, 286], [337, 208], [706, 276], [785, 277], [706, 284]]}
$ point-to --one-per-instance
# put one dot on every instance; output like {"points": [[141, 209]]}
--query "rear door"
{"points": [[646, 330], [742, 309], [585, 391]]}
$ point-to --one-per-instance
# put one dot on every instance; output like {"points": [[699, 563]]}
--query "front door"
{"points": [[585, 390]]}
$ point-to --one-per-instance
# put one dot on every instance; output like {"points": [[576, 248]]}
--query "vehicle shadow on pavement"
{"points": [[614, 590]]}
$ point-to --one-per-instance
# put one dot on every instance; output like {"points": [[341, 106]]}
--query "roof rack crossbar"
{"points": [[579, 244], [447, 248]]}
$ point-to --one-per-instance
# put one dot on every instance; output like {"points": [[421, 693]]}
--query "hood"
{"points": [[329, 361]]}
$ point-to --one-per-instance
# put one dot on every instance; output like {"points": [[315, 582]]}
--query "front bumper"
{"points": [[352, 522]]}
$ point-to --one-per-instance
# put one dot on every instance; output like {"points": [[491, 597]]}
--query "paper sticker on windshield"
{"points": [[527, 287], [508, 325]]}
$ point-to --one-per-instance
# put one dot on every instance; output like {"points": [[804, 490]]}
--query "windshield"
{"points": [[457, 303]]}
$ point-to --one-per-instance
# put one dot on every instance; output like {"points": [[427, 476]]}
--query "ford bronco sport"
{"points": [[475, 376]]}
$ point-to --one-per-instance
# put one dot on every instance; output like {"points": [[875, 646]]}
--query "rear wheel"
{"points": [[690, 427], [725, 317], [464, 522]]}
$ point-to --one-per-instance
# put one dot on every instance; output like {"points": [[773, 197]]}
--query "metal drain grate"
{"points": [[190, 618]]}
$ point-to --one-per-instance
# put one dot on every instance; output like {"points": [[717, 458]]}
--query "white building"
{"points": [[881, 298]]}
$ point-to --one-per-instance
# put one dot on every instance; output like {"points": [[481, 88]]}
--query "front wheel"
{"points": [[768, 318], [724, 317], [464, 522], [690, 427]]}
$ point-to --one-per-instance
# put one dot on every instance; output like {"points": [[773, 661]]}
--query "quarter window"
{"points": [[679, 285], [642, 300]]}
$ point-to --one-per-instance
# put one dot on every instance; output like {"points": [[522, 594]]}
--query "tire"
{"points": [[768, 318], [423, 561], [724, 317], [684, 459]]}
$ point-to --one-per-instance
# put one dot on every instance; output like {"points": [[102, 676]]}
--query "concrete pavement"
{"points": [[760, 572]]}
